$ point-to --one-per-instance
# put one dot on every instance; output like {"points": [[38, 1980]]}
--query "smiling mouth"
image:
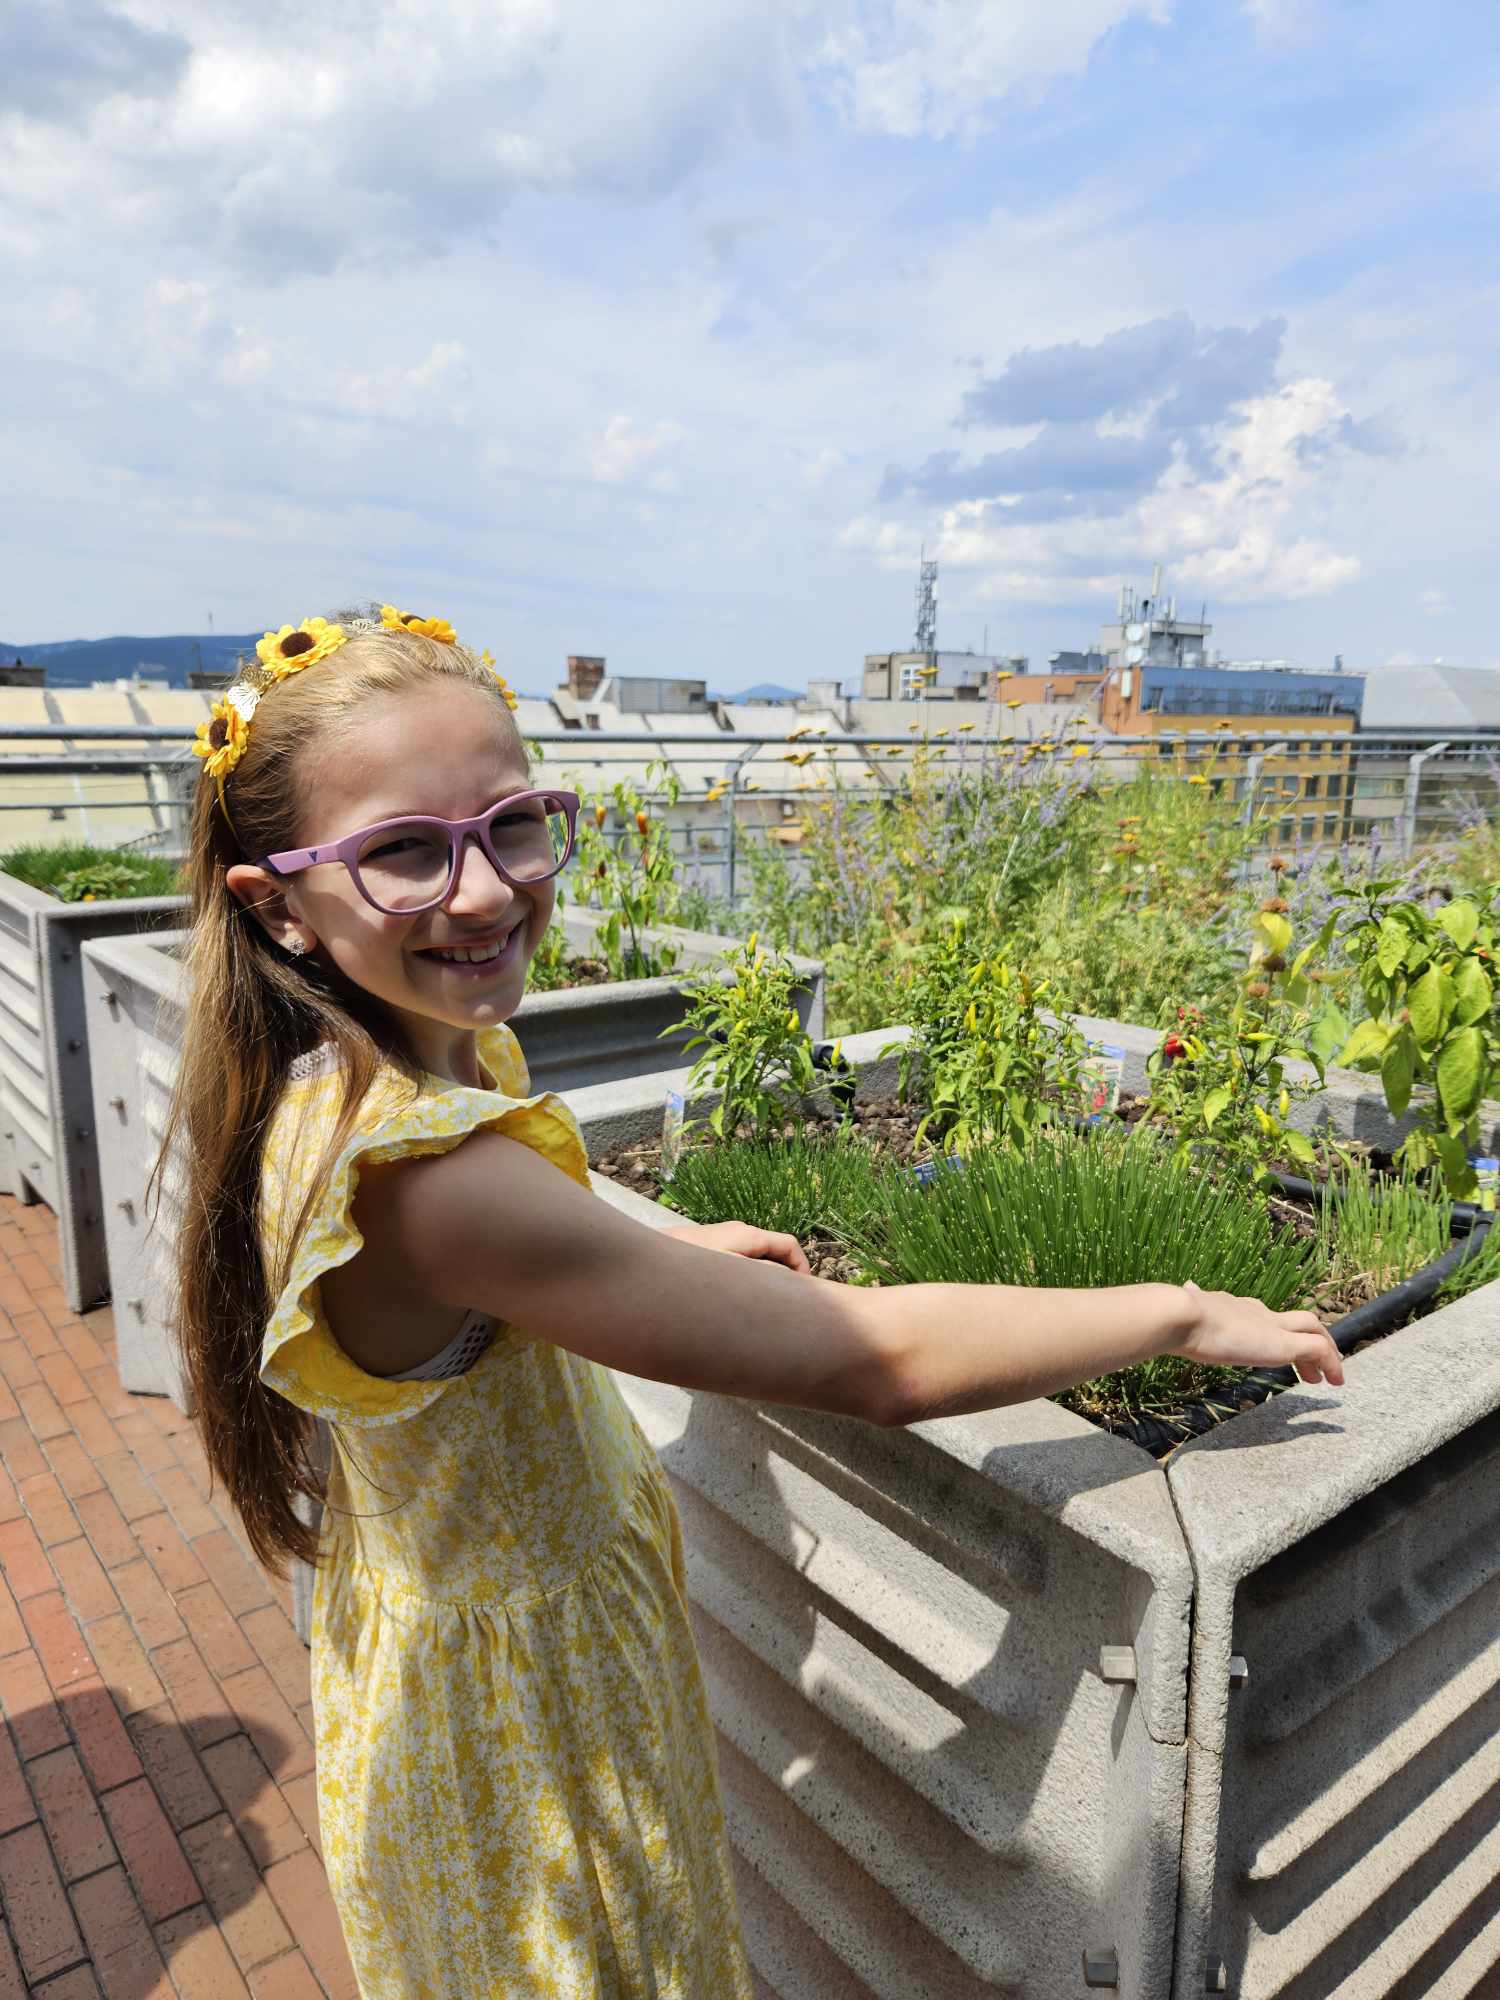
{"points": [[472, 954]]}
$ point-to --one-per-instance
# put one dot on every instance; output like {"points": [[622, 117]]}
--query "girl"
{"points": [[383, 1228]]}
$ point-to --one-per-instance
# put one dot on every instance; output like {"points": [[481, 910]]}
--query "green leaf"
{"points": [[1458, 1175], [1472, 992], [1396, 1067], [1461, 1072], [1390, 948], [1460, 920], [1300, 1147], [1215, 1102], [1426, 1003], [1328, 1032], [1367, 1041], [1274, 932]]}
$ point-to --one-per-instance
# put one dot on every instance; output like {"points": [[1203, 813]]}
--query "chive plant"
{"points": [[1384, 1228], [1074, 1211], [803, 1184]]}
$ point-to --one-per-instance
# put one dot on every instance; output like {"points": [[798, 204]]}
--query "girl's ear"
{"points": [[260, 893]]}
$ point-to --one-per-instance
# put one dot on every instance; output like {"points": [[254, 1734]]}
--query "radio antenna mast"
{"points": [[927, 605]]}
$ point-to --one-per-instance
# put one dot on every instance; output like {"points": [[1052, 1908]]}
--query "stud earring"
{"points": [[296, 945]]}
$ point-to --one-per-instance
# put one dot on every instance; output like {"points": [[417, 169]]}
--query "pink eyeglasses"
{"points": [[401, 866]]}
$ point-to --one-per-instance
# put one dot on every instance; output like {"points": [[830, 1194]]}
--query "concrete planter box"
{"points": [[48, 1150], [591, 1035], [598, 1035], [945, 1777], [1001, 1698]]}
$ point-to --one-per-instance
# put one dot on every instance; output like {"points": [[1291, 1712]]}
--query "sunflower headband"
{"points": [[221, 741]]}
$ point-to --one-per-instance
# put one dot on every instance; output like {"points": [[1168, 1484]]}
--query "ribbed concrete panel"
{"points": [[47, 1143], [133, 998], [26, 1137], [928, 1781], [1343, 1813]]}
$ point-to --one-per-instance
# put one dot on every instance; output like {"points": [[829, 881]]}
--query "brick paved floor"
{"points": [[158, 1831]]}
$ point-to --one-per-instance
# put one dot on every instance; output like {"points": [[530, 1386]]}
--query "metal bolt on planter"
{"points": [[1101, 1968], [1239, 1670], [128, 1207], [1117, 1663], [117, 1104]]}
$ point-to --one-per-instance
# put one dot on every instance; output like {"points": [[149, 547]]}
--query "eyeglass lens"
{"points": [[404, 867]]}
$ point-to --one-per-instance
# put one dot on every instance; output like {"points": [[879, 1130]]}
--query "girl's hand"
{"points": [[740, 1240], [1231, 1332]]}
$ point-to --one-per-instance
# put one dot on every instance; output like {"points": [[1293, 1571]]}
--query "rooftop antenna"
{"points": [[927, 604], [1156, 583]]}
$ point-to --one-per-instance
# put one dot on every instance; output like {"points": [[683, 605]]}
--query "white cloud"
{"points": [[615, 452], [412, 391], [938, 67], [1230, 531]]}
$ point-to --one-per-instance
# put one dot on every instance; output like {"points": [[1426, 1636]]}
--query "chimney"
{"points": [[585, 672]]}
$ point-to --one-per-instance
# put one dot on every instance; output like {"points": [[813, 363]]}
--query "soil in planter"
{"points": [[575, 972], [1199, 1399]]}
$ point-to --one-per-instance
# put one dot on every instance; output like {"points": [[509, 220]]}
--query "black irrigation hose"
{"points": [[1375, 1317]]}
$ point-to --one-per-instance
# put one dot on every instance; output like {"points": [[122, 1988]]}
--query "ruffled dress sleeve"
{"points": [[300, 1358]]}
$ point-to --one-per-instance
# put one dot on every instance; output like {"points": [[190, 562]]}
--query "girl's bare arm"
{"points": [[492, 1226]]}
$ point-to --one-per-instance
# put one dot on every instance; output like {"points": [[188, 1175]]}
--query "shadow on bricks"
{"points": [[140, 1859]]}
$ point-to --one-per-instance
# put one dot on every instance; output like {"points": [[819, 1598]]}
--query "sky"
{"points": [[674, 332]]}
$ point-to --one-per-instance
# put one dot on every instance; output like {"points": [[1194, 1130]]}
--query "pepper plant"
{"points": [[992, 1067], [632, 879], [1428, 978], [756, 1053], [1222, 1077]]}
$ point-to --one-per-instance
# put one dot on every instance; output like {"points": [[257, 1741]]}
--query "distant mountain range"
{"points": [[76, 662]]}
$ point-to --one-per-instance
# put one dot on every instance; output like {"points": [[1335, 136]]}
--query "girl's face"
{"points": [[443, 751]]}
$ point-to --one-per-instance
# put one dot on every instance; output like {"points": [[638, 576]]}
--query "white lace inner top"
{"points": [[478, 1329]]}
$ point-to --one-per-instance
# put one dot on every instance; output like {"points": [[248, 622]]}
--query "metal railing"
{"points": [[1407, 791]]}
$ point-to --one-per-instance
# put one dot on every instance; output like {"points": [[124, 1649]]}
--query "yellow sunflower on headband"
{"points": [[426, 628], [221, 740], [297, 646]]}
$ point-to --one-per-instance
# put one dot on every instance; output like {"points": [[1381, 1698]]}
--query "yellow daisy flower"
{"points": [[221, 741], [409, 621], [297, 646]]}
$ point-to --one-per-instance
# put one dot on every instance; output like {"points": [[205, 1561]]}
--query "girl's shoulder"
{"points": [[311, 1104]]}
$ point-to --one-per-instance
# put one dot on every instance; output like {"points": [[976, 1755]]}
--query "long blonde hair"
{"points": [[251, 1010]]}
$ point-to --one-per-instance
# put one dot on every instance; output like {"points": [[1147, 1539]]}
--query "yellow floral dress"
{"points": [[516, 1774]]}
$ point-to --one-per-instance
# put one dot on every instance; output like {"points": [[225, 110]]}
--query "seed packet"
{"points": [[673, 1117], [1101, 1075]]}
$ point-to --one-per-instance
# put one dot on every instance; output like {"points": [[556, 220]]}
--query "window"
{"points": [[1330, 826], [1313, 786]]}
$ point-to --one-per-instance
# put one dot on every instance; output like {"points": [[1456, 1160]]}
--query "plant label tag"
{"points": [[925, 1172], [673, 1117], [1101, 1074], [1487, 1173]]}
